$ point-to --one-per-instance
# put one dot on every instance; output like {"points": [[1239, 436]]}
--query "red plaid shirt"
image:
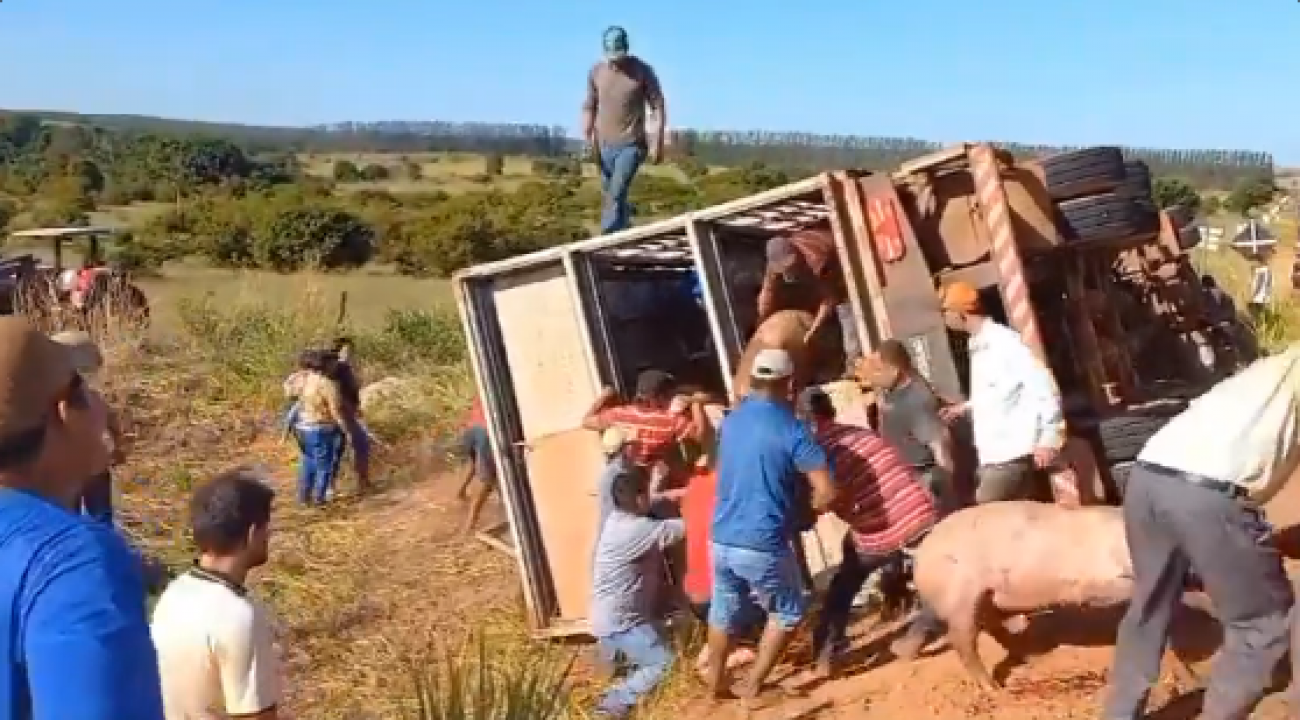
{"points": [[880, 496], [651, 431]]}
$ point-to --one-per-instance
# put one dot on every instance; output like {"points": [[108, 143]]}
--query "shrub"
{"points": [[494, 164], [346, 171], [323, 237], [477, 684], [375, 172]]}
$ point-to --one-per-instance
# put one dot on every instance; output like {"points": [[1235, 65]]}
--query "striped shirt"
{"points": [[880, 496], [651, 431]]}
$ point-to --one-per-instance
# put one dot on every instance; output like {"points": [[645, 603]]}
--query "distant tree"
{"points": [[1176, 192], [346, 171], [494, 164], [375, 172], [414, 171], [1250, 194], [692, 167]]}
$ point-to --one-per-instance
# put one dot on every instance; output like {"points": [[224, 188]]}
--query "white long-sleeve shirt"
{"points": [[1014, 406], [1244, 430]]}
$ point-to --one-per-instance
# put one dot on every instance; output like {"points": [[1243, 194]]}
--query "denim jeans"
{"points": [[831, 633], [319, 463], [645, 651], [360, 438], [618, 166], [773, 577], [97, 498]]}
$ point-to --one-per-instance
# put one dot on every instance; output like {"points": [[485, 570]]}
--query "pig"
{"points": [[785, 330], [989, 563]]}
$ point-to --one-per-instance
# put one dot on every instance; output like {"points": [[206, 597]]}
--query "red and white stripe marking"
{"points": [[1011, 278]]}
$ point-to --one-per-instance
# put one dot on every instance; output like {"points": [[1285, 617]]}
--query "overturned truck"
{"points": [[1069, 250]]}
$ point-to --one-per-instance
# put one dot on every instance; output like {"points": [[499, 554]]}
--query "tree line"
{"points": [[794, 152]]}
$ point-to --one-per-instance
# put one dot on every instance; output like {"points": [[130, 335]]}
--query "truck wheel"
{"points": [[1123, 436], [1108, 217], [1137, 180], [1083, 172]]}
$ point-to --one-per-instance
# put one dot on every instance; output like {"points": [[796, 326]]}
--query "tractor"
{"points": [[91, 297]]}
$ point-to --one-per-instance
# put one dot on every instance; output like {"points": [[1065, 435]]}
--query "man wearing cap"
{"points": [[887, 509], [1014, 407], [763, 450], [803, 271], [97, 501], [619, 89], [75, 636]]}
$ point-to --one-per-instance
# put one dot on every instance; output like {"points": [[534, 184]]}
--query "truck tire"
{"points": [[1108, 217], [1137, 180], [1083, 172], [1123, 436]]}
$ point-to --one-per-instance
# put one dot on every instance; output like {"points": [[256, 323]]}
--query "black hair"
{"points": [[1209, 281], [821, 407], [768, 385], [224, 510], [896, 355], [628, 488]]}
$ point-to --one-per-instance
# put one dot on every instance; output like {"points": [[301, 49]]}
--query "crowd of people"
{"points": [[749, 479]]}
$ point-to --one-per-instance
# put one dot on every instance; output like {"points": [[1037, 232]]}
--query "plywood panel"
{"points": [[563, 471], [554, 384], [545, 350]]}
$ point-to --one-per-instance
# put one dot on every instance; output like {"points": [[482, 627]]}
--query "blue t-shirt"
{"points": [[762, 451], [76, 631]]}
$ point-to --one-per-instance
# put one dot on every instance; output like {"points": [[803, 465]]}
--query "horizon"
{"points": [[1163, 74]]}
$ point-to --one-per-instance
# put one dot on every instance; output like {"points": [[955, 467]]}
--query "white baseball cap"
{"points": [[772, 364], [613, 440]]}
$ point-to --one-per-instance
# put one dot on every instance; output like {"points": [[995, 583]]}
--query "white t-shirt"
{"points": [[216, 653]]}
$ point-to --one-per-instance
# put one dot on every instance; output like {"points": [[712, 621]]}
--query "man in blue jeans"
{"points": [[763, 452], [627, 580], [619, 89]]}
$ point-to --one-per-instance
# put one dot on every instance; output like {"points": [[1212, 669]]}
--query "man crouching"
{"points": [[886, 507], [628, 570]]}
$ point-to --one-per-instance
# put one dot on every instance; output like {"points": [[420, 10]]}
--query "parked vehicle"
{"points": [[87, 297], [1069, 250]]}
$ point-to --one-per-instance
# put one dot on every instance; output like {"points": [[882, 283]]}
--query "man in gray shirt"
{"points": [[909, 420], [626, 583], [619, 89]]}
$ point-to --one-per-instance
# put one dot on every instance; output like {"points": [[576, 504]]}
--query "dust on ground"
{"points": [[418, 574]]}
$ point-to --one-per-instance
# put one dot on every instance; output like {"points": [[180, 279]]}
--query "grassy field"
{"points": [[448, 172]]}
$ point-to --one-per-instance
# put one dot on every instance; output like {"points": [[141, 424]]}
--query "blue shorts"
{"points": [[772, 577], [476, 448]]}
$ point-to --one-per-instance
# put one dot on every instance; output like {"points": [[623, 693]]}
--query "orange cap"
{"points": [[960, 297]]}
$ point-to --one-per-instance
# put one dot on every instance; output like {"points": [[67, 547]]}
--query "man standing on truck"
{"points": [[802, 270], [619, 89], [1013, 404], [1193, 502], [763, 450]]}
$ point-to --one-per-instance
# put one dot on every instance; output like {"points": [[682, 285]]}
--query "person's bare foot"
{"points": [[908, 647]]}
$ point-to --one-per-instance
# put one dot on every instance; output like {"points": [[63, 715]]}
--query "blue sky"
{"points": [[1163, 73]]}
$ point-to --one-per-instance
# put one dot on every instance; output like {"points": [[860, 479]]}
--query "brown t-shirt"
{"points": [[618, 95]]}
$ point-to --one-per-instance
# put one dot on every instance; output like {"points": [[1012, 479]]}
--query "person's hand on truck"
{"points": [[949, 413]]}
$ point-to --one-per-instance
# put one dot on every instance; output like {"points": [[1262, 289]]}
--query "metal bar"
{"points": [[926, 162], [848, 248], [585, 281], [675, 225], [996, 209], [538, 605], [873, 274], [713, 281]]}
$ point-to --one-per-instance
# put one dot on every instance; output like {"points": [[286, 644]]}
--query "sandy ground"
{"points": [[1068, 653]]}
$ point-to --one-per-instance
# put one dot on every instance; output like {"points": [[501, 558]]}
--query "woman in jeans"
{"points": [[319, 426]]}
